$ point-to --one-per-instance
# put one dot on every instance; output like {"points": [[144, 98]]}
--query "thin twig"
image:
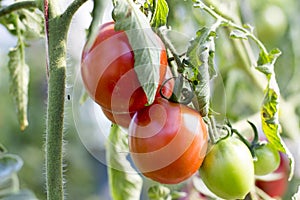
{"points": [[17, 6]]}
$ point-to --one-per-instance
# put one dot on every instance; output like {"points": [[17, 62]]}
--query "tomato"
{"points": [[228, 170], [107, 70], [167, 141], [276, 187], [123, 119], [268, 159], [272, 23]]}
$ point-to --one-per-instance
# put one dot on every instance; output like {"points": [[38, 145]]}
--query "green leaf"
{"points": [[9, 164], [270, 107], [19, 75], [266, 61], [200, 68], [124, 181], [21, 195], [144, 42], [236, 34], [270, 120], [26, 22], [161, 10], [31, 23]]}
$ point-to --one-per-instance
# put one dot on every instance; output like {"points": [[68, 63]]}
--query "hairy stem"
{"points": [[17, 6], [56, 26]]}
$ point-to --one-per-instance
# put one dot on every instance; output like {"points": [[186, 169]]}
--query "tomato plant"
{"points": [[167, 141], [107, 70], [122, 71], [277, 186], [228, 170], [267, 159]]}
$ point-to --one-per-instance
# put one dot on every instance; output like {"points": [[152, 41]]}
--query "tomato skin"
{"points": [[167, 141], [277, 188], [228, 170], [107, 70], [123, 119], [268, 159]]}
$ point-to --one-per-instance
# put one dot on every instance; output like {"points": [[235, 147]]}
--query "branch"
{"points": [[57, 27], [71, 10], [17, 6]]}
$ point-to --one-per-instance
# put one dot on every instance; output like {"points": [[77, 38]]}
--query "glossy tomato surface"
{"points": [[267, 161], [123, 119], [167, 141], [228, 170], [107, 70]]}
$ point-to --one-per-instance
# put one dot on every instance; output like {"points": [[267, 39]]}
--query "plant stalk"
{"points": [[56, 26]]}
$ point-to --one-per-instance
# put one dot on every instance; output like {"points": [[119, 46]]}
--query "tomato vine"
{"points": [[142, 21]]}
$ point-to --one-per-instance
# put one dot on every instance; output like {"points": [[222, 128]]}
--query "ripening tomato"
{"points": [[123, 119], [167, 141], [228, 170], [278, 186], [267, 161], [108, 73]]}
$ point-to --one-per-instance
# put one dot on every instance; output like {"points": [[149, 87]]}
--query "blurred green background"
{"points": [[276, 23]]}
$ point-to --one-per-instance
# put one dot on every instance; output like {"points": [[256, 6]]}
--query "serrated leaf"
{"points": [[21, 195], [200, 69], [27, 22], [236, 34], [144, 43], [31, 23], [123, 182], [9, 164], [160, 14], [270, 120], [19, 76], [265, 63]]}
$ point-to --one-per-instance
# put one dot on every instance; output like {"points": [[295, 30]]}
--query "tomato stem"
{"points": [[256, 138], [211, 130], [162, 33], [56, 42], [176, 94], [245, 141]]}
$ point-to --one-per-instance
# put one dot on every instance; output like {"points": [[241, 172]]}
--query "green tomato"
{"points": [[271, 24], [267, 161], [228, 169]]}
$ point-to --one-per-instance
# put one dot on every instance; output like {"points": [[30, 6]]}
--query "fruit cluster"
{"points": [[168, 141]]}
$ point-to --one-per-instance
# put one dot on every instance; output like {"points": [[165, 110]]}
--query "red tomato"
{"points": [[108, 74], [277, 188], [167, 141], [123, 119]]}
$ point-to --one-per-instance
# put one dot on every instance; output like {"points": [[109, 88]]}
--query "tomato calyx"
{"points": [[265, 156]]}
